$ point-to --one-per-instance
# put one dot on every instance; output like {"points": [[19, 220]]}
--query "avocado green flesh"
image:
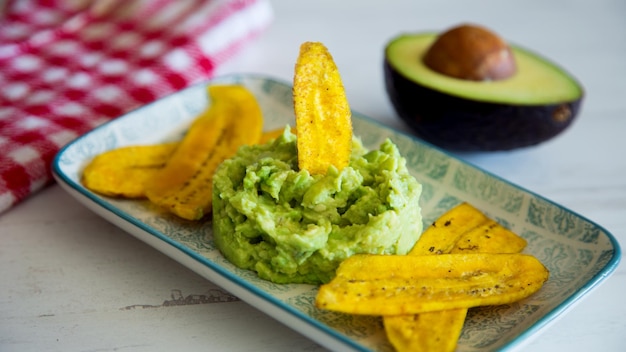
{"points": [[293, 227], [536, 81]]}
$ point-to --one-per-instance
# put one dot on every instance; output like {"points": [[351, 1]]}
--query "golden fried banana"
{"points": [[123, 172], [425, 332], [442, 235], [184, 186], [490, 237], [409, 284], [323, 116]]}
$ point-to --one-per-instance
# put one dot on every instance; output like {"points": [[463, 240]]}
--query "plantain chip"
{"points": [[425, 332], [323, 116], [123, 172], [410, 284], [441, 236], [185, 185], [489, 237]]}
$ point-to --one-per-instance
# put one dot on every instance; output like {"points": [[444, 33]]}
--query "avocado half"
{"points": [[535, 104]]}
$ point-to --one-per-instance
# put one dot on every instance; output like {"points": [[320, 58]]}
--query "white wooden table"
{"points": [[70, 281]]}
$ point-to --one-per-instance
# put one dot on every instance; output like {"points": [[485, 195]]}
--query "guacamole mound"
{"points": [[293, 227]]}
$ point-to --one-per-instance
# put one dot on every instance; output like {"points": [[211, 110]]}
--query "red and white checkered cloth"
{"points": [[67, 66]]}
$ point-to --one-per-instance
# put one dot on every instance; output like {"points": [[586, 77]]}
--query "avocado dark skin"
{"points": [[461, 124]]}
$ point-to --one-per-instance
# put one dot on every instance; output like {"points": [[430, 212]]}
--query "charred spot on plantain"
{"points": [[469, 248]]}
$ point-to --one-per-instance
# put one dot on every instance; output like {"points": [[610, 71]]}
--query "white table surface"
{"points": [[73, 282]]}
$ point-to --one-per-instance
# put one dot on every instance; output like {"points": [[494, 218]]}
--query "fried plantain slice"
{"points": [[323, 116], [185, 185], [425, 332], [410, 284], [490, 237], [441, 236], [440, 330], [123, 172]]}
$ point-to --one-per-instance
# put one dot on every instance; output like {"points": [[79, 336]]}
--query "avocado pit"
{"points": [[471, 52]]}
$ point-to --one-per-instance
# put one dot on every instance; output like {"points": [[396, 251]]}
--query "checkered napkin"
{"points": [[67, 66]]}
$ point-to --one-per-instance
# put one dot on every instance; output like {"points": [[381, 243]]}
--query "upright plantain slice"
{"points": [[323, 116], [439, 331], [184, 185], [419, 284], [123, 172]]}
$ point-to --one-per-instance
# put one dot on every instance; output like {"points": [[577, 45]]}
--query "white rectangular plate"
{"points": [[578, 253]]}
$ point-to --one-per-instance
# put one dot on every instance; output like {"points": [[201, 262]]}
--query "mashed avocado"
{"points": [[293, 227]]}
